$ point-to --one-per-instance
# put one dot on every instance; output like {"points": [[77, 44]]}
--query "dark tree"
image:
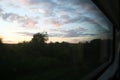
{"points": [[0, 40], [40, 38], [1, 44]]}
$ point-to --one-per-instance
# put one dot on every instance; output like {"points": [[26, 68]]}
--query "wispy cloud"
{"points": [[55, 23], [62, 15], [29, 22], [1, 10], [25, 2], [55, 35], [61, 12], [25, 21], [79, 32], [68, 33], [37, 2], [25, 33], [43, 11]]}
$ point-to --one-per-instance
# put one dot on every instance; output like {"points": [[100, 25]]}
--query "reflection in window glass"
{"points": [[52, 39]]}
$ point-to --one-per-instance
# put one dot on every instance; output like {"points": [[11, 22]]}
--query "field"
{"points": [[51, 61]]}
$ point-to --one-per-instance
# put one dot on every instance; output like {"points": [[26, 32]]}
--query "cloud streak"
{"points": [[63, 16], [68, 33], [25, 33], [78, 32], [25, 21], [76, 8]]}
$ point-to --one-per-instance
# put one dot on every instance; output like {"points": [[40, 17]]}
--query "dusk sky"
{"points": [[63, 20]]}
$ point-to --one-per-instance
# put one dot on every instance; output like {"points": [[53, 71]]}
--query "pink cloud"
{"points": [[52, 22], [36, 2], [55, 23], [25, 2], [59, 22], [25, 21], [43, 11], [31, 23], [65, 19], [40, 10]]}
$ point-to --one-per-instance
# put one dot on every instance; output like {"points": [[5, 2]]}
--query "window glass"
{"points": [[52, 39]]}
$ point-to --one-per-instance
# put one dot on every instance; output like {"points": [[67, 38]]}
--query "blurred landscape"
{"points": [[38, 60], [76, 39]]}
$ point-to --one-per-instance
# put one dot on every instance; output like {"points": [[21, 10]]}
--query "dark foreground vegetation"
{"points": [[37, 60]]}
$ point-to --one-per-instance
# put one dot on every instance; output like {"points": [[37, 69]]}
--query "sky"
{"points": [[64, 20]]}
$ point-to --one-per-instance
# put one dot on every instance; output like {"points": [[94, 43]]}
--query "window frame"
{"points": [[109, 68]]}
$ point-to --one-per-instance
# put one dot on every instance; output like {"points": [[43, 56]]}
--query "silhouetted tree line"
{"points": [[38, 60]]}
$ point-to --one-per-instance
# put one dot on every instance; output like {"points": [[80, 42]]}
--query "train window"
{"points": [[52, 39]]}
